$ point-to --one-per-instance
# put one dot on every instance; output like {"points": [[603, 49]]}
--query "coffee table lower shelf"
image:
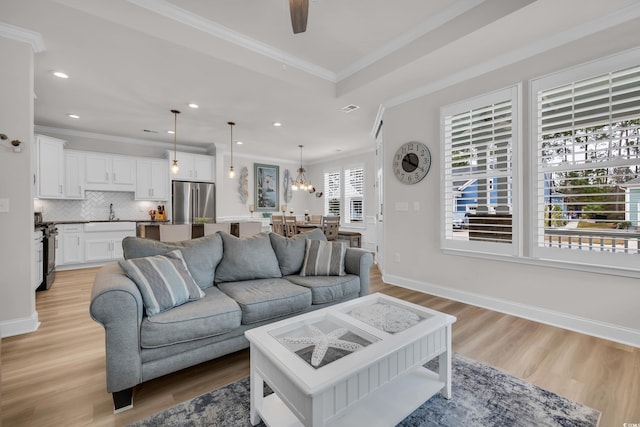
{"points": [[387, 406]]}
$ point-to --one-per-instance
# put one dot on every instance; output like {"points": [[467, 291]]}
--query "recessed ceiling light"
{"points": [[239, 142], [60, 74], [171, 132], [73, 116], [277, 124], [193, 105]]}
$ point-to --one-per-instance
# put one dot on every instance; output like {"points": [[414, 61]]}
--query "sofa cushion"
{"points": [[247, 259], [265, 299], [323, 259], [329, 289], [202, 255], [290, 250], [164, 281], [212, 315]]}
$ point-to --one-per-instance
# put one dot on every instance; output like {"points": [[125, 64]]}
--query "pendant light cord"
{"points": [[174, 167], [232, 171]]}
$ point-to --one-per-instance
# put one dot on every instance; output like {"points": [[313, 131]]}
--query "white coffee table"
{"points": [[377, 384]]}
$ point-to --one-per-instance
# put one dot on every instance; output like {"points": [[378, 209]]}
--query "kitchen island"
{"points": [[152, 230]]}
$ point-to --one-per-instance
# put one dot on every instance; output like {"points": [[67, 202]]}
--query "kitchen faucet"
{"points": [[112, 214]]}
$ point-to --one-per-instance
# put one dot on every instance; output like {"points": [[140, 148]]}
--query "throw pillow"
{"points": [[247, 259], [290, 250], [164, 281], [323, 258], [202, 255]]}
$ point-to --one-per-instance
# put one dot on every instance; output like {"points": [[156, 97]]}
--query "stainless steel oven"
{"points": [[49, 232]]}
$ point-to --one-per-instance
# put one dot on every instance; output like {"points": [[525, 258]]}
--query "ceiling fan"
{"points": [[299, 10]]}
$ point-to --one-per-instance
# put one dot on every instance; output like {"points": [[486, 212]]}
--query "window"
{"points": [[353, 195], [587, 134], [332, 193], [480, 148], [344, 194]]}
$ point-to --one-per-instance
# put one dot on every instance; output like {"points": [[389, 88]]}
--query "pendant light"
{"points": [[301, 181], [174, 167], [232, 171]]}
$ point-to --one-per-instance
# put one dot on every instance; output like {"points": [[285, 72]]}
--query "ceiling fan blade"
{"points": [[299, 11]]}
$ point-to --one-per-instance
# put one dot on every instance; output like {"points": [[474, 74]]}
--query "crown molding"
{"points": [[175, 13], [23, 35], [589, 28], [409, 36], [121, 139]]}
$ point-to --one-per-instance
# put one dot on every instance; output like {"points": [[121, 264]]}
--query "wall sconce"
{"points": [[15, 143]]}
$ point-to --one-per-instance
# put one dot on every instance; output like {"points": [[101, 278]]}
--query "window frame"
{"points": [[345, 213], [610, 263], [347, 220], [480, 248], [327, 200]]}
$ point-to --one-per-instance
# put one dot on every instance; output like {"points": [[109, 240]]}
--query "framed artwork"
{"points": [[266, 194]]}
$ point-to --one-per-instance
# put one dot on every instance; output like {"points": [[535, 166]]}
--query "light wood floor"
{"points": [[55, 376]]}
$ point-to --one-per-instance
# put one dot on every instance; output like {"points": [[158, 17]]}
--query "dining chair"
{"points": [[290, 226], [175, 232], [330, 226], [213, 228], [249, 228], [316, 219], [277, 224]]}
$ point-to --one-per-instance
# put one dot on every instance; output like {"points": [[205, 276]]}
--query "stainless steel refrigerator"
{"points": [[193, 202]]}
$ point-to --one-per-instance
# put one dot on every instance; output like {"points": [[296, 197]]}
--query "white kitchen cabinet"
{"points": [[99, 249], [105, 172], [103, 240], [203, 168], [49, 167], [73, 175], [152, 180], [193, 167], [71, 248]]}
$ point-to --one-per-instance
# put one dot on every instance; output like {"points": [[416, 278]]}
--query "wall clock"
{"points": [[411, 162]]}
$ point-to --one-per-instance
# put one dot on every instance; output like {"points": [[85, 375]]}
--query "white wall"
{"points": [[597, 304], [17, 299], [227, 194]]}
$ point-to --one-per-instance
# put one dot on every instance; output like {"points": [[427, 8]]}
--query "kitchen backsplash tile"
{"points": [[95, 207]]}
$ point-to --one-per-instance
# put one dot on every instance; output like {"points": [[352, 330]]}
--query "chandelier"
{"points": [[174, 167], [301, 181]]}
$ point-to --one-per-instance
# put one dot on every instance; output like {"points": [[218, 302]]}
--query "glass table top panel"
{"points": [[387, 316], [323, 341]]}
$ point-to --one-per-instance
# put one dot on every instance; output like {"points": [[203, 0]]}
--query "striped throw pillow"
{"points": [[323, 258], [164, 281]]}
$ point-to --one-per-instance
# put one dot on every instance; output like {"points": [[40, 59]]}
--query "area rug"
{"points": [[482, 397]]}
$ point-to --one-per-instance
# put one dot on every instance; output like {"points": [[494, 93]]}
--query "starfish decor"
{"points": [[322, 342]]}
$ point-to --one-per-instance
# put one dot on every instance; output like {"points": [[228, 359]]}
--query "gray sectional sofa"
{"points": [[243, 283]]}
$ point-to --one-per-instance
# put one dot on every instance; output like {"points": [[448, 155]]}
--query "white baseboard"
{"points": [[608, 331], [23, 325]]}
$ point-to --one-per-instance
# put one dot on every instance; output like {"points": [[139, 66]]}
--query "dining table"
{"points": [[353, 239], [306, 226]]}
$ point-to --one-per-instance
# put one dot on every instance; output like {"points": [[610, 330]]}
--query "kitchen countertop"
{"points": [[81, 221]]}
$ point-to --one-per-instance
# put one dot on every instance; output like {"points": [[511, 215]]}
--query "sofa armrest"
{"points": [[358, 261], [116, 303]]}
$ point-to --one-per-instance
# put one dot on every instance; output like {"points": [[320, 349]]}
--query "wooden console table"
{"points": [[353, 238]]}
